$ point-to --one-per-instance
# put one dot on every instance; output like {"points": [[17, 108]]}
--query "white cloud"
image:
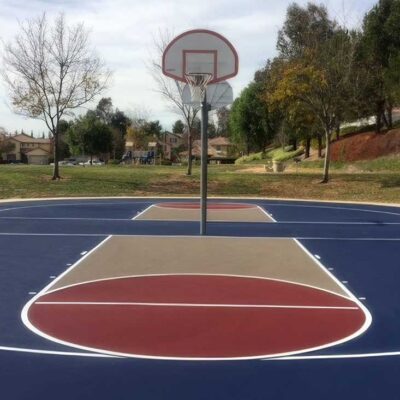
{"points": [[122, 32]]}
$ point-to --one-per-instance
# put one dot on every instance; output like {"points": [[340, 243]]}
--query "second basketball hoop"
{"points": [[200, 57]]}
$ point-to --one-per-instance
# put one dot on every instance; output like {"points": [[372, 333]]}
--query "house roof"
{"points": [[38, 152], [23, 138], [196, 150], [219, 141]]}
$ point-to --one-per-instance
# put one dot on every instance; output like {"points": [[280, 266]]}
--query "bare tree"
{"points": [[172, 91], [50, 71]]}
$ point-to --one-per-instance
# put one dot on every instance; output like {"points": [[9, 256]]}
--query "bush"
{"points": [[282, 155], [166, 162], [113, 162], [250, 158]]}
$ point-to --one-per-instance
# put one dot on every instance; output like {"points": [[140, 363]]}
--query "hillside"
{"points": [[366, 146]]}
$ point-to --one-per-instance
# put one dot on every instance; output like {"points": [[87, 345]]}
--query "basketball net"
{"points": [[198, 84]]}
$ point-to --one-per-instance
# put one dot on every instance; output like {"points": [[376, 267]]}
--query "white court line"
{"points": [[394, 239], [368, 316], [134, 200], [142, 212], [344, 296], [64, 219], [190, 358], [316, 238], [336, 356], [335, 223], [204, 305], [58, 353], [98, 203], [336, 208], [24, 313]]}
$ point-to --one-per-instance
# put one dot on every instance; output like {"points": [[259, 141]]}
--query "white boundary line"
{"points": [[24, 313], [194, 305], [155, 198], [70, 203]]}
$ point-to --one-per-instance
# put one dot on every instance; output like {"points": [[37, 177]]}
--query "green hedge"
{"points": [[250, 158]]}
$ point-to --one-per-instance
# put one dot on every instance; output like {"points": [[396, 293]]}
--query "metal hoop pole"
{"points": [[204, 161]]}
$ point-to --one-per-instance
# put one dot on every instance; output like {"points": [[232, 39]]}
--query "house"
{"points": [[220, 150], [169, 142], [29, 149], [166, 144]]}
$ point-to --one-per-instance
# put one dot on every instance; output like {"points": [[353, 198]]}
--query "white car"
{"points": [[94, 162]]}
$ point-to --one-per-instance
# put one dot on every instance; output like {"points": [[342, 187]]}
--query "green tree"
{"points": [[119, 122], [153, 128], [178, 127], [88, 135], [316, 69], [379, 52], [6, 147], [64, 151], [211, 130], [252, 126], [105, 110], [223, 121], [304, 28]]}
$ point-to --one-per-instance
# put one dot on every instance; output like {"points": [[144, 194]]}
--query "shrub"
{"points": [[250, 158], [166, 162]]}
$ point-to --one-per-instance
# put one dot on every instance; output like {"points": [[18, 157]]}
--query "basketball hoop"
{"points": [[198, 84], [201, 57]]}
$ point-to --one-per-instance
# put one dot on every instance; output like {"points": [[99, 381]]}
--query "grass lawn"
{"points": [[26, 181]]}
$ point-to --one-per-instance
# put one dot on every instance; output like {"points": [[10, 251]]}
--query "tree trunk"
{"points": [[307, 149], [56, 173], [337, 131], [91, 159], [327, 161], [294, 144], [389, 110], [380, 115], [385, 119], [189, 169], [319, 146]]}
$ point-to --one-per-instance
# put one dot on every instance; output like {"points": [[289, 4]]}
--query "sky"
{"points": [[123, 33]]}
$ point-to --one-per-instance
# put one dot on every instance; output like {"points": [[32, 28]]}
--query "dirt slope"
{"points": [[366, 146]]}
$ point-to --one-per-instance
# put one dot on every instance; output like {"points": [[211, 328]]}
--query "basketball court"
{"points": [[99, 298], [129, 299]]}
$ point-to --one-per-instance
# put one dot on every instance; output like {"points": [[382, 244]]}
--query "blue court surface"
{"points": [[358, 244]]}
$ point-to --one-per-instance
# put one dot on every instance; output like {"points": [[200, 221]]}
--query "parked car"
{"points": [[65, 163], [94, 162]]}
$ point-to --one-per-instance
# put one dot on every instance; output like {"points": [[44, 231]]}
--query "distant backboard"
{"points": [[200, 51], [218, 95]]}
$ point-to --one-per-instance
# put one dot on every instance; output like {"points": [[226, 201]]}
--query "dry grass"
{"points": [[34, 182]]}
